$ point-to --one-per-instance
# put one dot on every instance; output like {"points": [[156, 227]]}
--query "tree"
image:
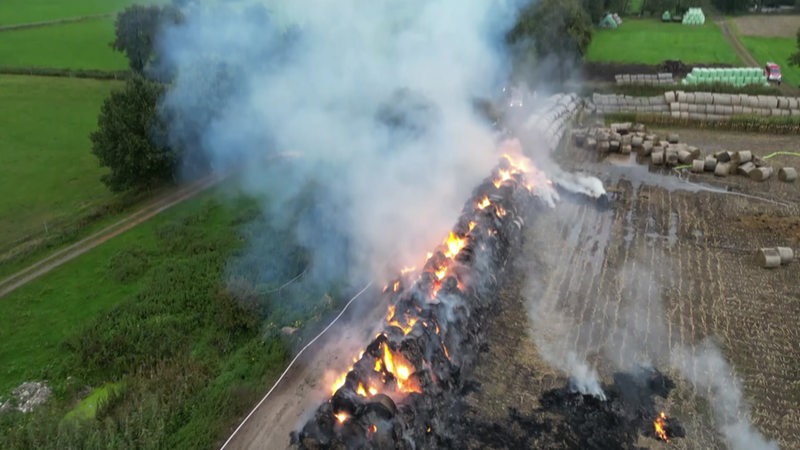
{"points": [[136, 29], [128, 136], [557, 32], [794, 59]]}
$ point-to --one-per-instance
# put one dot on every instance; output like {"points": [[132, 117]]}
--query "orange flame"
{"points": [[484, 203], [660, 425], [503, 176], [360, 390], [401, 369], [338, 383], [372, 429], [454, 245], [406, 270], [440, 273], [341, 417], [501, 212], [472, 226]]}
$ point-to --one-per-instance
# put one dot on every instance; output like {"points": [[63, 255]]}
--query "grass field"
{"points": [[49, 172], [148, 310], [651, 42], [27, 11], [78, 45], [775, 49]]}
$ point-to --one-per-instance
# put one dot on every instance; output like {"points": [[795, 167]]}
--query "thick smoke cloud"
{"points": [[374, 101]]}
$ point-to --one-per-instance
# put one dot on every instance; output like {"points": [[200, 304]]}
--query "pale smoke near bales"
{"points": [[375, 98]]}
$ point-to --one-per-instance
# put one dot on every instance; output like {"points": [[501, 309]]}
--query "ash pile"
{"points": [[403, 389], [568, 419]]}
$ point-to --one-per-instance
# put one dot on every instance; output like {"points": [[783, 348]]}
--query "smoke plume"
{"points": [[711, 374], [373, 100]]}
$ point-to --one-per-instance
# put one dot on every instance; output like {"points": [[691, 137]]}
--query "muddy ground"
{"points": [[667, 266], [668, 263]]}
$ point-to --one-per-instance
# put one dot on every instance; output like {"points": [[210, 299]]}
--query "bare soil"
{"points": [[662, 268], [768, 25]]}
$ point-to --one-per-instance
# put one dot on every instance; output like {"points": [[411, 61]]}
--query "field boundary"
{"points": [[47, 23], [71, 252]]}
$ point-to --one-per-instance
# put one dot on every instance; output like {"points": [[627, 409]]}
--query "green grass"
{"points": [[77, 45], [776, 50], [648, 41], [634, 7], [150, 309], [49, 170], [27, 11]]}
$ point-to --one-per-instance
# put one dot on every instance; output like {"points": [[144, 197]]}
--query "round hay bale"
{"points": [[603, 147], [694, 151], [746, 168], [637, 141], [787, 174], [698, 165], [613, 145], [787, 254], [672, 138], [761, 173], [709, 164], [657, 158], [769, 258], [743, 156], [591, 143], [684, 156], [722, 169], [646, 149], [723, 156], [671, 157]]}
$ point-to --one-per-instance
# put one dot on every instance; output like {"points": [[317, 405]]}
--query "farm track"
{"points": [[661, 270], [71, 252]]}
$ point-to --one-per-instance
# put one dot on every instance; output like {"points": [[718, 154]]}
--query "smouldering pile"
{"points": [[401, 389]]}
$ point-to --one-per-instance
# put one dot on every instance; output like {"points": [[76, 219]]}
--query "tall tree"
{"points": [[136, 30], [555, 33], [129, 136]]}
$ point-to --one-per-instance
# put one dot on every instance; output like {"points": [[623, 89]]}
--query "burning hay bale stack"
{"points": [[553, 118], [401, 390]]}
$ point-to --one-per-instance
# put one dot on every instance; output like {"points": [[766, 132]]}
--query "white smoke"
{"points": [[712, 376], [376, 97]]}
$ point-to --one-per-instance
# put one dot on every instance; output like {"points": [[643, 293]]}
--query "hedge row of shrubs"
{"points": [[67, 73]]}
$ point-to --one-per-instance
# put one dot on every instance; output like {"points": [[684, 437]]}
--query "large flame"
{"points": [[398, 366], [454, 245], [660, 425]]}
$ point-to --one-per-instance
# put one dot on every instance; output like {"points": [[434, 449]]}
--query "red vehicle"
{"points": [[773, 72]]}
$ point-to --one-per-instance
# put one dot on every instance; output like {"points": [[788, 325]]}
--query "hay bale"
{"points": [[722, 169], [657, 158], [591, 143], [603, 147], [625, 149], [786, 253], [742, 156], [669, 96], [698, 166], [724, 156], [637, 141], [761, 173], [694, 151], [684, 156], [746, 168], [769, 258], [709, 163], [626, 139], [646, 149], [787, 174], [671, 157], [613, 145], [672, 138]]}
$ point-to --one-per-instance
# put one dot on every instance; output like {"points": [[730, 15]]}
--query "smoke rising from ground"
{"points": [[633, 336], [373, 99]]}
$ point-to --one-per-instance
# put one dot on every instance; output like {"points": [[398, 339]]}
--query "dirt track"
{"points": [[662, 269], [768, 25], [73, 251]]}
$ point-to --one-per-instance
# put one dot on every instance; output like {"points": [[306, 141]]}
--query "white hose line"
{"points": [[292, 363]]}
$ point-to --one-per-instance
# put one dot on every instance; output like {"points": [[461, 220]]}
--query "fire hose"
{"points": [[335, 319]]}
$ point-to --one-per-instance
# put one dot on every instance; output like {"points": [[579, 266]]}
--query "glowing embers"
{"points": [[405, 323]]}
